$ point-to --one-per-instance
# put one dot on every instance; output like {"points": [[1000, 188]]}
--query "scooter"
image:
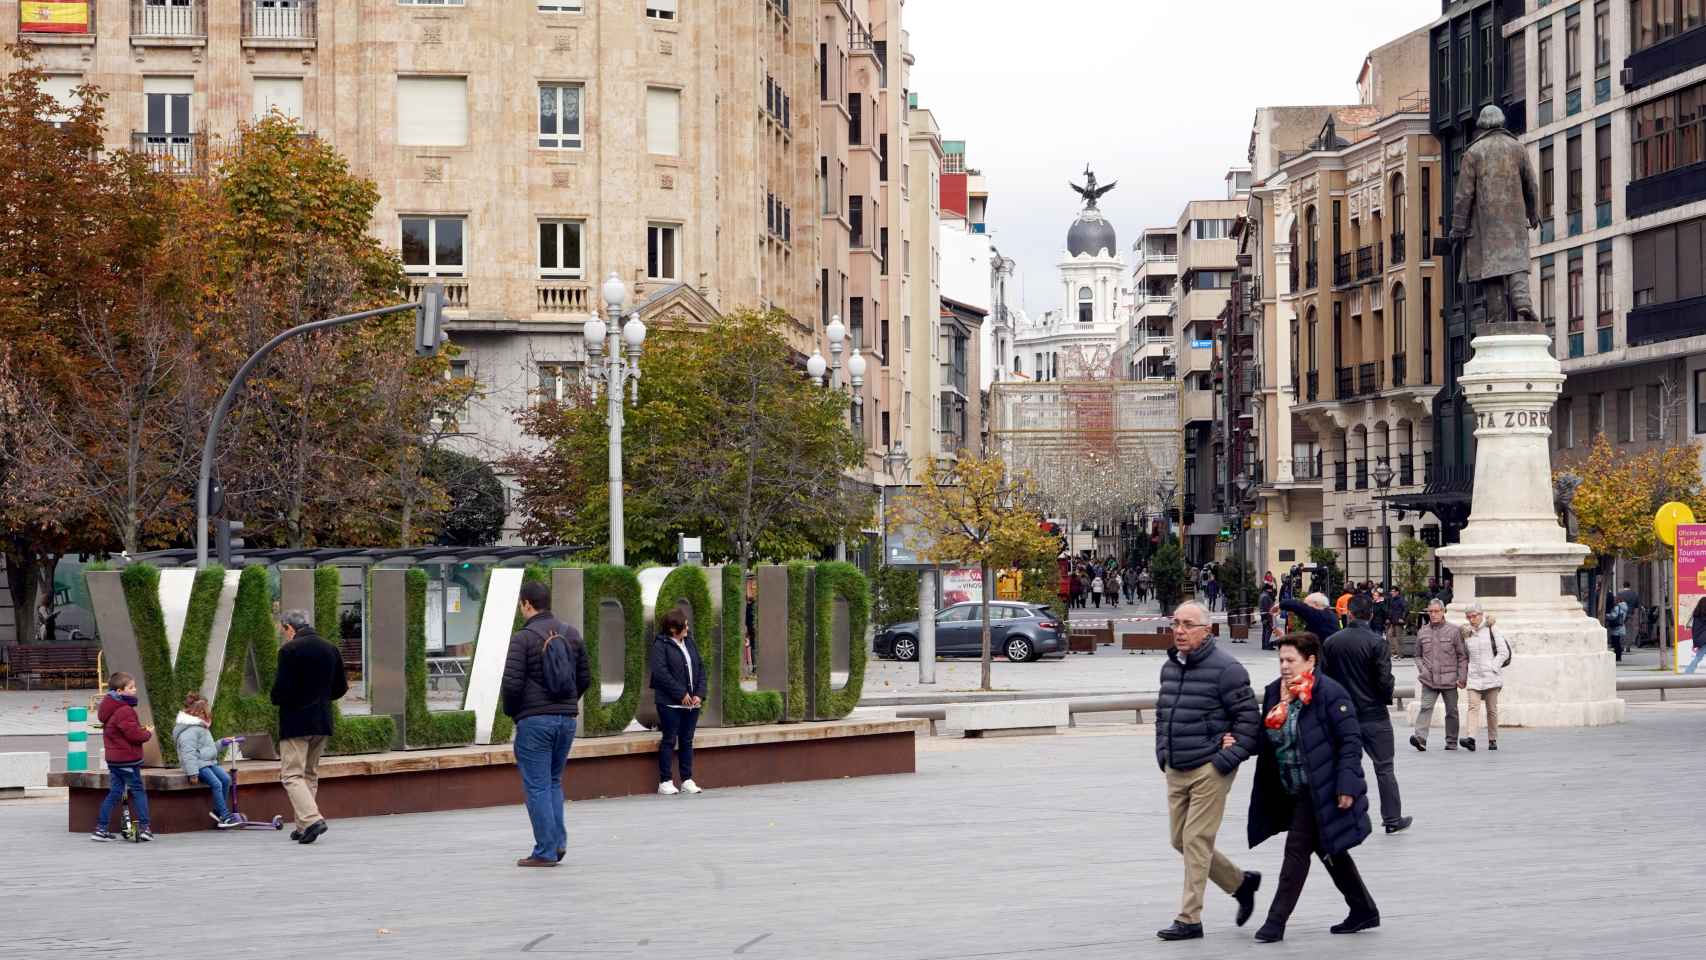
{"points": [[242, 823]]}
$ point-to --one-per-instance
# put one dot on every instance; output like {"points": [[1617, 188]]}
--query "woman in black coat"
{"points": [[1309, 784], [678, 677]]}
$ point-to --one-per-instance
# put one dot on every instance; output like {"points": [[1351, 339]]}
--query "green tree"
{"points": [[1329, 580], [1167, 572], [974, 511], [1238, 581], [1413, 575], [896, 596], [475, 516], [728, 441]]}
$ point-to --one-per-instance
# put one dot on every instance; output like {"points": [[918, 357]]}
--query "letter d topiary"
{"points": [[841, 580], [741, 708], [606, 582]]}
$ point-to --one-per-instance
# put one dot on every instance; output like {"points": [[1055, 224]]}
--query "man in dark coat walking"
{"points": [[544, 721], [309, 680], [1205, 695], [1358, 660]]}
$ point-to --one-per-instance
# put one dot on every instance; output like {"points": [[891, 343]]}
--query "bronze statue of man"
{"points": [[1496, 204]]}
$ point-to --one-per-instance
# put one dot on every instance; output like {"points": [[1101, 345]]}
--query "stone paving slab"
{"points": [[1558, 847]]}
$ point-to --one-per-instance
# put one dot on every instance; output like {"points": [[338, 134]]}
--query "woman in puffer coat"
{"points": [[1489, 654], [1309, 785]]}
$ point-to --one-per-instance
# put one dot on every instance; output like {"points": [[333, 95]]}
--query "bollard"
{"points": [[76, 738]]}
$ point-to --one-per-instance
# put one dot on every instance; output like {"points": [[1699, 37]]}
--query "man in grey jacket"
{"points": [[1205, 697], [1442, 669]]}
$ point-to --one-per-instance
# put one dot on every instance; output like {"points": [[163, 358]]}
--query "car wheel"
{"points": [[1020, 650], [905, 648]]}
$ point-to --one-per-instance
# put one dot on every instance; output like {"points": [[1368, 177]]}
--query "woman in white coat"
{"points": [[1489, 654]]}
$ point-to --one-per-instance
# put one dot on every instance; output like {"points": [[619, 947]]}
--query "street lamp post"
{"points": [[816, 367], [620, 376], [1167, 490], [1382, 480]]}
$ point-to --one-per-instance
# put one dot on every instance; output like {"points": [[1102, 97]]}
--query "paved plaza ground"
{"points": [[1566, 844]]}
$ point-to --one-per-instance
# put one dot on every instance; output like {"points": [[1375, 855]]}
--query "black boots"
{"points": [[1246, 896]]}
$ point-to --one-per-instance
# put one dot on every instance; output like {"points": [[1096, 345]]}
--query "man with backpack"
{"points": [[544, 675]]}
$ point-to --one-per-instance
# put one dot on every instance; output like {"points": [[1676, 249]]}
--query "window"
{"points": [[167, 100], [1667, 132], [1427, 213], [855, 119], [1427, 330], [663, 252], [883, 264], [1626, 415], [558, 381], [433, 246], [432, 111], [1442, 73], [1573, 51], [63, 89], [560, 116], [856, 220], [1398, 318], [1602, 164], [1565, 432], [1543, 52], [1573, 179], [561, 6], [856, 323], [1655, 412], [1465, 69], [1548, 294], [883, 158], [1668, 263], [1314, 328], [1211, 279], [1575, 294], [1086, 305], [1488, 45], [1547, 163], [661, 9], [1605, 290], [1602, 38], [663, 121], [283, 94], [1212, 229], [1516, 67], [430, 3], [1655, 21], [560, 248]]}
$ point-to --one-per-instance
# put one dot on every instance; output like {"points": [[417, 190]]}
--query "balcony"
{"points": [[1344, 383], [1665, 59], [455, 291], [1406, 470], [1314, 387], [561, 297], [290, 21], [184, 154], [1399, 373], [1397, 249], [172, 20], [1370, 261], [1667, 321], [1306, 468], [1362, 474], [1665, 190], [1341, 269], [1339, 484], [1368, 379]]}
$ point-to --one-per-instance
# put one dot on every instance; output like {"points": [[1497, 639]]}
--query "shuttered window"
{"points": [[432, 111]]}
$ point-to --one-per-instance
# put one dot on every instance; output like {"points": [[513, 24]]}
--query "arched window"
{"points": [[1086, 306], [1314, 327], [1399, 204], [1314, 228], [1398, 318]]}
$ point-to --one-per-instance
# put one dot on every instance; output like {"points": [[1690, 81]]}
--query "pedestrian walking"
{"points": [[198, 756], [1697, 632], [1096, 592], [309, 679], [1309, 785], [1205, 696], [545, 673], [1145, 584], [1489, 655], [1357, 659], [1616, 623], [1116, 585], [678, 677], [1442, 669], [1210, 588], [1264, 609], [122, 737], [1397, 615], [1377, 612]]}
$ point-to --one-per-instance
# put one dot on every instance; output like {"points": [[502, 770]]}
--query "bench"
{"points": [[45, 661], [350, 648], [22, 771], [1008, 717], [451, 668]]}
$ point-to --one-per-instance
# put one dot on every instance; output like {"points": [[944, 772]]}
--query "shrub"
{"points": [[254, 639], [841, 580], [799, 576], [895, 596], [1167, 572], [741, 708], [605, 581]]}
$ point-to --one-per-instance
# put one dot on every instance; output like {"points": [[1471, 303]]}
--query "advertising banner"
{"points": [[1690, 588], [53, 16], [961, 585]]}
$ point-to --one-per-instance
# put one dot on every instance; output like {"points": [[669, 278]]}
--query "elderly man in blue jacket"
{"points": [[1205, 696]]}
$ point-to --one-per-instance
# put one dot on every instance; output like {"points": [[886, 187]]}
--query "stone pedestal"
{"points": [[1513, 557]]}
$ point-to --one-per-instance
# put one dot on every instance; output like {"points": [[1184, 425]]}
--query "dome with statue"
{"points": [[1091, 234]]}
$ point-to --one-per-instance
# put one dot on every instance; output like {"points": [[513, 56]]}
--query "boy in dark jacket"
{"points": [[122, 737], [544, 721]]}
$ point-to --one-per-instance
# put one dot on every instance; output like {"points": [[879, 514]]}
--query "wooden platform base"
{"points": [[426, 781]]}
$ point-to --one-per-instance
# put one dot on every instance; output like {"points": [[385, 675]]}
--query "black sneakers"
{"points": [[1468, 743], [1417, 742], [313, 831], [102, 836]]}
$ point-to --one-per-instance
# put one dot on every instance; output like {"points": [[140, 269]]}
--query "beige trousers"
{"points": [[1472, 722], [1196, 802], [299, 770]]}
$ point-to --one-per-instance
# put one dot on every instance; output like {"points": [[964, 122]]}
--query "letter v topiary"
{"points": [[164, 681], [845, 581], [741, 708]]}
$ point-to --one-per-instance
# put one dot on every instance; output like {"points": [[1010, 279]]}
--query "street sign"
{"points": [[1359, 538]]}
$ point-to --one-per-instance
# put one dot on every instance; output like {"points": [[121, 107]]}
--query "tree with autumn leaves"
{"points": [[128, 298], [974, 510], [1617, 494]]}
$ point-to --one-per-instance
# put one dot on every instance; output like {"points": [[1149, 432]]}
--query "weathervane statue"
{"points": [[1090, 192]]}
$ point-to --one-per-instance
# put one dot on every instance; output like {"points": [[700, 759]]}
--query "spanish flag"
{"points": [[53, 16]]}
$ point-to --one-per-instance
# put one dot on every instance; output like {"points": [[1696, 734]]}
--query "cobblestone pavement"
{"points": [[1556, 847]]}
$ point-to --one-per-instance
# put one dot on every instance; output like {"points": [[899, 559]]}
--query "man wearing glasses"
{"points": [[1205, 696]]}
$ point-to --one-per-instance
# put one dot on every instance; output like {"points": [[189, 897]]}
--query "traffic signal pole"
{"points": [[429, 335]]}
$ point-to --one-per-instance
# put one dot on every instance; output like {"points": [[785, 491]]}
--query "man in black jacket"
{"points": [[1205, 695], [544, 723], [1359, 660], [309, 679]]}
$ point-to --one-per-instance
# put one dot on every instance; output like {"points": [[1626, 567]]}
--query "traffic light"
{"points": [[429, 321], [224, 543]]}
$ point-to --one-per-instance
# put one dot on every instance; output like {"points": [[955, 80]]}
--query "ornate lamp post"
{"points": [[1166, 490], [620, 375], [1382, 480]]}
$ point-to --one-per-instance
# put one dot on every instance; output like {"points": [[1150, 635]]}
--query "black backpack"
{"points": [[557, 657]]}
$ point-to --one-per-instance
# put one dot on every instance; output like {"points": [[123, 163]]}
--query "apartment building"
{"points": [[1147, 349], [1208, 258]]}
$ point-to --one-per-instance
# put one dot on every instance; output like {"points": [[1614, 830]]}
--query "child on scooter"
{"points": [[122, 737], [199, 756]]}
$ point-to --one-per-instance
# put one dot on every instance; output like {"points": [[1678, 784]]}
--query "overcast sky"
{"points": [[1156, 94]]}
